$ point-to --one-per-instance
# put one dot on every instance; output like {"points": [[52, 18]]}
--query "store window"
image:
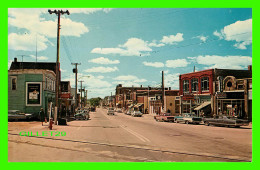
{"points": [[185, 85], [14, 83], [194, 84], [205, 84]]}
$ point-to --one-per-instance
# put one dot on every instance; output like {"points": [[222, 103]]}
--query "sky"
{"points": [[132, 46]]}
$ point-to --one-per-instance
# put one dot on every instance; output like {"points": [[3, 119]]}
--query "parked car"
{"points": [[82, 115], [111, 111], [129, 112], [93, 109], [137, 113], [165, 117], [189, 118], [225, 121], [18, 115], [119, 110]]}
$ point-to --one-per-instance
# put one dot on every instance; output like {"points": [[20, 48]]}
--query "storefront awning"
{"points": [[138, 104], [202, 105]]}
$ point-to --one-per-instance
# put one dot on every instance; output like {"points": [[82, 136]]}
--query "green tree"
{"points": [[95, 101]]}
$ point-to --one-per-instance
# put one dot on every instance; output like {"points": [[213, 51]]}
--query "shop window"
{"points": [[205, 84], [194, 84], [185, 85], [14, 83]]}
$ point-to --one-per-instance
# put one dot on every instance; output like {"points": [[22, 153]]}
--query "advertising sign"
{"points": [[33, 93]]}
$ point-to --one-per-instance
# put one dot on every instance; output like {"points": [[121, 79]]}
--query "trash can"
{"points": [[62, 121]]}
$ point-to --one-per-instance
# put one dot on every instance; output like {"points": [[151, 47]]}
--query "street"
{"points": [[123, 138]]}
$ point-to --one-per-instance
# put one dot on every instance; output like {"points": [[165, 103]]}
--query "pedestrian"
{"points": [[43, 116]]}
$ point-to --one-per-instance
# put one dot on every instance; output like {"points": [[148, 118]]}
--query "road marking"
{"points": [[142, 138]]}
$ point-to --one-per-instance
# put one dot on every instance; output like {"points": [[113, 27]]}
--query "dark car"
{"points": [[225, 121], [18, 115]]}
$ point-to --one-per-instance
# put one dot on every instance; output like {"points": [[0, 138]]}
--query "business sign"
{"points": [[221, 95], [188, 96], [33, 93]]}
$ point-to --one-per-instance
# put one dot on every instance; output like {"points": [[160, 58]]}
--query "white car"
{"points": [[137, 113], [110, 111]]}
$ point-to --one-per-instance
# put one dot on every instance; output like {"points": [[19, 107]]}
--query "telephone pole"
{"points": [[57, 89], [75, 70], [81, 92]]}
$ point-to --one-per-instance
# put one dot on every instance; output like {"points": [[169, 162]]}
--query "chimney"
{"points": [[249, 67], [141, 86], [15, 60], [170, 88]]}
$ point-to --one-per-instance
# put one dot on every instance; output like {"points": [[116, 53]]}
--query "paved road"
{"points": [[122, 138]]}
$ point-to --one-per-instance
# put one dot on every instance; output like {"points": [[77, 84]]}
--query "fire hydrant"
{"points": [[50, 123]]}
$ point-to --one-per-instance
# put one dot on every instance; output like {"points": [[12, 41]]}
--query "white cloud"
{"points": [[240, 31], [27, 42], [101, 69], [129, 80], [35, 22], [155, 44], [171, 39], [133, 47], [153, 64], [39, 57], [90, 81], [202, 38], [226, 62], [176, 63], [172, 80], [102, 60], [88, 10]]}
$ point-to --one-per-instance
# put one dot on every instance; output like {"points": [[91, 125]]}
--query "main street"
{"points": [[122, 138]]}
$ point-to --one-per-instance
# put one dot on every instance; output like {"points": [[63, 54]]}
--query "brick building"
{"points": [[217, 91]]}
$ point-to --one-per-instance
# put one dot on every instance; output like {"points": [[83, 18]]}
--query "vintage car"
{"points": [[128, 112], [225, 121], [189, 118], [110, 111], [119, 110], [136, 113], [18, 115], [165, 117], [82, 115]]}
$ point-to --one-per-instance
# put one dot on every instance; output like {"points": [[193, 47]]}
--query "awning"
{"points": [[202, 105], [138, 104]]}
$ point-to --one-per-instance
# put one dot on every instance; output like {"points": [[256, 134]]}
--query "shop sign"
{"points": [[221, 95], [65, 95], [33, 93], [188, 97]]}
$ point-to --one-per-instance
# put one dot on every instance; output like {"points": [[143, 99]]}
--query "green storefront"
{"points": [[31, 90]]}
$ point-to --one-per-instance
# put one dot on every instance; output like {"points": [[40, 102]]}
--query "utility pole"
{"points": [[148, 100], [162, 91], [75, 70], [81, 92], [57, 89]]}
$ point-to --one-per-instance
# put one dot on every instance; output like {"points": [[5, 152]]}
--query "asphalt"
{"points": [[123, 138]]}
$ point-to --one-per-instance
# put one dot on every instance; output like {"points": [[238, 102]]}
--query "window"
{"points": [[13, 83], [185, 85], [194, 84], [205, 84]]}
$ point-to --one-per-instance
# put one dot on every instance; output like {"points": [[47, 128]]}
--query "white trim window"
{"points": [[205, 84], [185, 86], [13, 83], [194, 84]]}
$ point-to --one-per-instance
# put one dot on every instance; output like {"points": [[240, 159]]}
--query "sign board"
{"points": [[65, 95], [33, 93], [221, 95], [158, 97], [188, 97]]}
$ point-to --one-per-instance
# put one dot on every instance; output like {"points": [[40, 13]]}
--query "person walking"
{"points": [[42, 116]]}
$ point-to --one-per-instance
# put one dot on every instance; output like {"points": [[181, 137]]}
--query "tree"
{"points": [[95, 101]]}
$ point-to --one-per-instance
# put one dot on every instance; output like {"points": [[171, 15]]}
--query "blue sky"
{"points": [[132, 46]]}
